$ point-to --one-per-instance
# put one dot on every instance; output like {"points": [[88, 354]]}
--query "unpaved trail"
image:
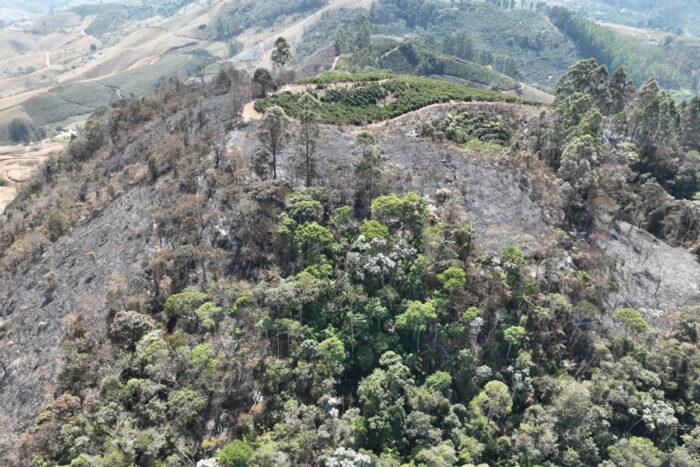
{"points": [[17, 165], [114, 88], [389, 52], [530, 92], [335, 63], [86, 24], [418, 114], [249, 112]]}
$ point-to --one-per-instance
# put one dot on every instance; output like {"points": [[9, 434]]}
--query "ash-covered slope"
{"points": [[163, 199]]}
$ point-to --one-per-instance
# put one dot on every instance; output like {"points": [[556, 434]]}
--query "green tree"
{"points": [[415, 319], [493, 401], [373, 229], [535, 440], [333, 355], [311, 239], [282, 53], [363, 38], [343, 41], [186, 406], [460, 45], [515, 336], [512, 259], [686, 182], [636, 452], [452, 279], [409, 212], [19, 131], [578, 161], [586, 77], [237, 453], [234, 47], [184, 303], [619, 93]]}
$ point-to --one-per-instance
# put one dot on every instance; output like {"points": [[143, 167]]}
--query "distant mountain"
{"points": [[14, 10]]}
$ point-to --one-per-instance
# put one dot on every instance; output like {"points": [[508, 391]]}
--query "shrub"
{"points": [[452, 279], [358, 102], [184, 303], [312, 238], [374, 229], [235, 454], [631, 319]]}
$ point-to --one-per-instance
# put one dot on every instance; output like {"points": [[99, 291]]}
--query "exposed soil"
{"points": [[18, 164]]}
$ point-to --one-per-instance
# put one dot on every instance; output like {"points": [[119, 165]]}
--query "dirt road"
{"points": [[18, 164]]}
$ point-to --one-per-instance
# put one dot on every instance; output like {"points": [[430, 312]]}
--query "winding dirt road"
{"points": [[18, 164], [86, 24]]}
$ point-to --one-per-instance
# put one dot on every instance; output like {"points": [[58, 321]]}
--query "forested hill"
{"points": [[415, 234], [540, 40], [672, 16], [639, 59], [472, 280]]}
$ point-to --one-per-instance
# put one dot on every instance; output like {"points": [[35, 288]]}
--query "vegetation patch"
{"points": [[145, 80], [90, 94], [321, 33], [360, 102], [413, 58], [509, 39], [50, 108], [672, 64], [466, 125]]}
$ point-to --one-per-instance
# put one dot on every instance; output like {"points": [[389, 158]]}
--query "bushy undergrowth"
{"points": [[280, 326], [357, 104], [466, 125], [381, 342]]}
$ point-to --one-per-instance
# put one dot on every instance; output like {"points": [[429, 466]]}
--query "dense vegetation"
{"points": [[322, 33], [513, 41], [466, 125], [411, 58], [676, 16], [376, 97], [260, 13], [640, 60], [109, 17], [374, 334], [384, 340], [19, 131], [659, 136]]}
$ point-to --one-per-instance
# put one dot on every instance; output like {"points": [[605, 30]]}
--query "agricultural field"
{"points": [[359, 99], [144, 80]]}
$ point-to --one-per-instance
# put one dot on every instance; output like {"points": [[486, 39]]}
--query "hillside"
{"points": [[671, 16], [475, 278], [57, 69], [391, 233], [17, 10]]}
